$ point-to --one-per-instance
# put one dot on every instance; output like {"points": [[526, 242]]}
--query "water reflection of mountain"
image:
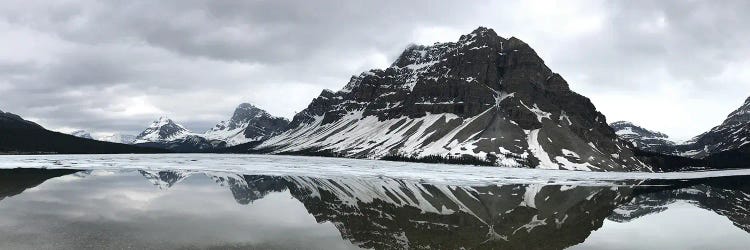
{"points": [[248, 188], [15, 181], [164, 179], [726, 196], [386, 213]]}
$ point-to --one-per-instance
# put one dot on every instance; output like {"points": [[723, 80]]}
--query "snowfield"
{"points": [[321, 167]]}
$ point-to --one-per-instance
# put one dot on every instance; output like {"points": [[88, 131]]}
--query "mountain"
{"points": [[248, 124], [732, 134], [167, 134], [19, 136], [118, 138], [482, 97], [162, 130], [82, 134], [642, 138]]}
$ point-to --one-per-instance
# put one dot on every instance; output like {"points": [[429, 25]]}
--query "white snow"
{"points": [[537, 150], [151, 134], [540, 114]]}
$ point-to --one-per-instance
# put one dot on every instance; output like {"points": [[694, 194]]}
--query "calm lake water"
{"points": [[271, 202]]}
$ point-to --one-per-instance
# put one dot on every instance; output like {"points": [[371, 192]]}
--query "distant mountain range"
{"points": [[483, 100], [248, 124]]}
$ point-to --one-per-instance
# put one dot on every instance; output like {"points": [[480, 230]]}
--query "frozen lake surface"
{"points": [[208, 201], [275, 165]]}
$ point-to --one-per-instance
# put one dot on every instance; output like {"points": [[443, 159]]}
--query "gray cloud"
{"points": [[113, 66]]}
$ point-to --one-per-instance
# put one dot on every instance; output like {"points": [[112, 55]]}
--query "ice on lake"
{"points": [[276, 165]]}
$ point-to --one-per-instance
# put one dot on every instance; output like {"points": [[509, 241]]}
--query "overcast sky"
{"points": [[114, 66]]}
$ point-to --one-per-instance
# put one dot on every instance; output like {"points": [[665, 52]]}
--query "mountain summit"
{"points": [[247, 124], [162, 130], [483, 96]]}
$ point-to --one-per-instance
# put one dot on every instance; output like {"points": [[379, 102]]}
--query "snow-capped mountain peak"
{"points": [[162, 130], [247, 124]]}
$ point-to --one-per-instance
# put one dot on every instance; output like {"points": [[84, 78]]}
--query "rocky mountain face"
{"points": [[732, 134], [82, 134], [642, 138], [248, 124], [483, 96]]}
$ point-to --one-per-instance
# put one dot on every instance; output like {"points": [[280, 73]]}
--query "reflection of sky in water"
{"points": [[128, 211]]}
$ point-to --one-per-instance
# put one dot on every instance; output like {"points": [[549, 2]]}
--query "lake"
{"points": [[206, 201]]}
